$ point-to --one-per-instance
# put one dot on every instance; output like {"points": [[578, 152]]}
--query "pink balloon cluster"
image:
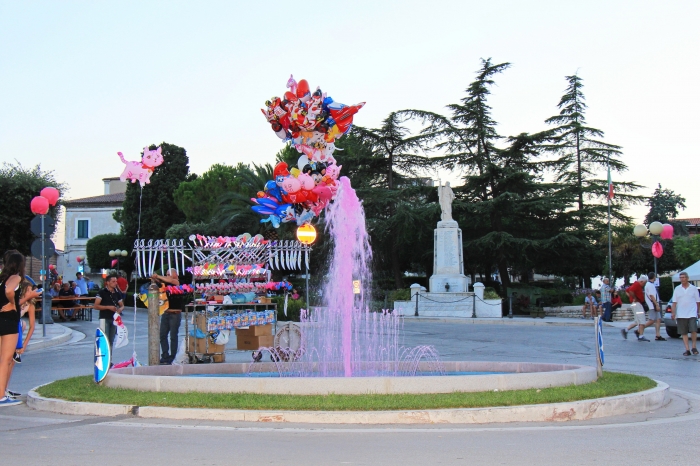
{"points": [[47, 197]]}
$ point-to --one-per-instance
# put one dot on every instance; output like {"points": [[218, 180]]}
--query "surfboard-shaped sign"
{"points": [[103, 358]]}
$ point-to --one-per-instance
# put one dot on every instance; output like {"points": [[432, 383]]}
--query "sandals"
{"points": [[660, 339], [687, 353], [695, 351]]}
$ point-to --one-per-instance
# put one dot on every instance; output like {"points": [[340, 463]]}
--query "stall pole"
{"points": [[153, 325]]}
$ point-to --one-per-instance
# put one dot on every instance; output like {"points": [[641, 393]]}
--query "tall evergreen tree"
{"points": [[583, 154], [155, 201], [663, 206]]}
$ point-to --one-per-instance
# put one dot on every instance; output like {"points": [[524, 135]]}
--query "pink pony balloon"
{"points": [[657, 250], [141, 171], [667, 232]]}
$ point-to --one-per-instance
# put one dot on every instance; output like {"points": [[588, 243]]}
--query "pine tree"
{"points": [[583, 154]]}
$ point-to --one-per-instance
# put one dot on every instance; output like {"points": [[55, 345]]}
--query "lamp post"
{"points": [[118, 253], [657, 231], [306, 234]]}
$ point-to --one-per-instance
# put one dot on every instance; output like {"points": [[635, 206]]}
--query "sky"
{"points": [[82, 80]]}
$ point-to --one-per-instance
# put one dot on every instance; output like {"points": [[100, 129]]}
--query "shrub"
{"points": [[490, 293], [294, 307], [403, 294], [665, 289]]}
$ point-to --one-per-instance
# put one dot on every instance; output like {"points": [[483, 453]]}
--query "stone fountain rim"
{"points": [[520, 376]]}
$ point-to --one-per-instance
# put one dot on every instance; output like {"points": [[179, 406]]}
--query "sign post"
{"points": [[42, 248], [600, 354]]}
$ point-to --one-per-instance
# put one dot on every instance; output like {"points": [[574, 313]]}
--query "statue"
{"points": [[445, 197]]}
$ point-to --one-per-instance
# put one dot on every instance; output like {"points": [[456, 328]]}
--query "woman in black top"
{"points": [[10, 305]]}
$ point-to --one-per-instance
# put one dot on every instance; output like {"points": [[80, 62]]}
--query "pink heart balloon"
{"points": [[657, 250]]}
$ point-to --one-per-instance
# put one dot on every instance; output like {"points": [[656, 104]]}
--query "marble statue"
{"points": [[445, 197]]}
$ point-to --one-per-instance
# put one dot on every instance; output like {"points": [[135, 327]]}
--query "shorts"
{"points": [[687, 325], [9, 323], [640, 318], [654, 315]]}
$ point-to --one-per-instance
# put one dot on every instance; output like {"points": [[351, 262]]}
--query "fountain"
{"points": [[347, 348]]}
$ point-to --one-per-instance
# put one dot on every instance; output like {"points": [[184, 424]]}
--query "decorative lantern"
{"points": [[656, 228], [306, 234]]}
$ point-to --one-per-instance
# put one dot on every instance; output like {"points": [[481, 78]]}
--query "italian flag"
{"points": [[611, 190]]}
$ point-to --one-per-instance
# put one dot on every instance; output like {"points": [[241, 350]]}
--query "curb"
{"points": [[556, 412], [506, 321], [57, 340]]}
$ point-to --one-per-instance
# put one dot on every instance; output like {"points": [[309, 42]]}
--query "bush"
{"points": [[490, 293], [403, 294], [666, 289], [294, 307]]}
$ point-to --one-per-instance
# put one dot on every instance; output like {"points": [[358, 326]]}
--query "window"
{"points": [[83, 229]]}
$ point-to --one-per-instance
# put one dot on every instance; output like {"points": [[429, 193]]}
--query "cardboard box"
{"points": [[219, 357], [255, 330], [265, 300], [200, 346], [245, 342]]}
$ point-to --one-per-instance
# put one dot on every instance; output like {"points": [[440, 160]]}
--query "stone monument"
{"points": [[448, 261]]}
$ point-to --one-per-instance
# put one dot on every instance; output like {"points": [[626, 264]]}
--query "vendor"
{"points": [[171, 318]]}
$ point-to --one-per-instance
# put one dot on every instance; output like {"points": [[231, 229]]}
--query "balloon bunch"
{"points": [[180, 289], [311, 122]]}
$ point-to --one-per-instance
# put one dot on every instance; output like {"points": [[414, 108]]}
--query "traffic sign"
{"points": [[49, 248], [49, 225], [599, 339]]}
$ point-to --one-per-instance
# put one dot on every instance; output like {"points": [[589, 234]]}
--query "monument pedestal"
{"points": [[448, 261]]}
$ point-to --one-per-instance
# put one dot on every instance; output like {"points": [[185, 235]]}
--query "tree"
{"points": [[583, 155], [398, 164], [687, 250], [663, 206], [154, 202], [18, 186], [199, 198]]}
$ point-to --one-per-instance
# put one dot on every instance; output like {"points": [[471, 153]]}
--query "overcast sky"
{"points": [[80, 81]]}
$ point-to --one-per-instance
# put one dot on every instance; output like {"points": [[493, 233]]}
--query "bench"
{"points": [[82, 310]]}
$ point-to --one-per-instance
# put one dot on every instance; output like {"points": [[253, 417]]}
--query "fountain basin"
{"points": [[512, 376]]}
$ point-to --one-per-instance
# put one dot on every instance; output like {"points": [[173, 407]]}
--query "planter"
{"points": [[534, 313]]}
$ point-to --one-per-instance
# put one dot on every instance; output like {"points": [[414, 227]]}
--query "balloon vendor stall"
{"points": [[311, 122], [231, 278]]}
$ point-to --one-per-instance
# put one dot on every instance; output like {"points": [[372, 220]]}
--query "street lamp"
{"points": [[656, 231], [118, 253], [306, 234]]}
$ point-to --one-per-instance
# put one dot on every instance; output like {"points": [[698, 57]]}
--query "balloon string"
{"points": [[138, 238]]}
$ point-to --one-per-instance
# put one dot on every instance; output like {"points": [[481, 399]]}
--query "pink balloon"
{"points": [[657, 250], [114, 262], [306, 181], [667, 233], [323, 192], [51, 194], [291, 184], [39, 205]]}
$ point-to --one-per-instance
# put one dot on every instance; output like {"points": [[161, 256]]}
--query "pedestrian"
{"points": [[590, 303], [66, 304], [11, 302], [171, 318], [606, 300], [28, 309], [109, 301], [636, 294], [651, 296], [81, 284], [616, 302], [295, 294], [685, 310]]}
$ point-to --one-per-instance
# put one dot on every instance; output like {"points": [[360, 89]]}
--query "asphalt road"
{"points": [[671, 435]]}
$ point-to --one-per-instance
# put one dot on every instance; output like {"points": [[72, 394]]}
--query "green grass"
{"points": [[84, 389]]}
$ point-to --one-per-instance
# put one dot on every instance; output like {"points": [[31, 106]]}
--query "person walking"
{"points": [[606, 300], [171, 318], [635, 293], [81, 285], [651, 296], [685, 310], [108, 302]]}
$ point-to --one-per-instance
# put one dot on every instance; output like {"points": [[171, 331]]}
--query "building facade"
{"points": [[86, 218]]}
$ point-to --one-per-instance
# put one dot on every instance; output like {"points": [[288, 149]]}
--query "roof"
{"points": [[111, 178], [96, 201], [688, 221]]}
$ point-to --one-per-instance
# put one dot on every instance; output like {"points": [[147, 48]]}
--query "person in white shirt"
{"points": [[651, 295], [685, 309]]}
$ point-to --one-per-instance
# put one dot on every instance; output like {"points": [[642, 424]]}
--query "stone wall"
{"points": [[624, 314]]}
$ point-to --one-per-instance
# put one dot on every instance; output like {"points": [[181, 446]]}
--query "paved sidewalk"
{"points": [[56, 334]]}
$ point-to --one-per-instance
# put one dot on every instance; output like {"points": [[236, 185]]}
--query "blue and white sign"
{"points": [[103, 357], [599, 339]]}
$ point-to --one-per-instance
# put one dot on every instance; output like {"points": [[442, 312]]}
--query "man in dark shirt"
{"points": [[109, 301], [171, 318], [66, 305]]}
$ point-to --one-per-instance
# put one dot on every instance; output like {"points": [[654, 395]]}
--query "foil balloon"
{"points": [[657, 250], [141, 171]]}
